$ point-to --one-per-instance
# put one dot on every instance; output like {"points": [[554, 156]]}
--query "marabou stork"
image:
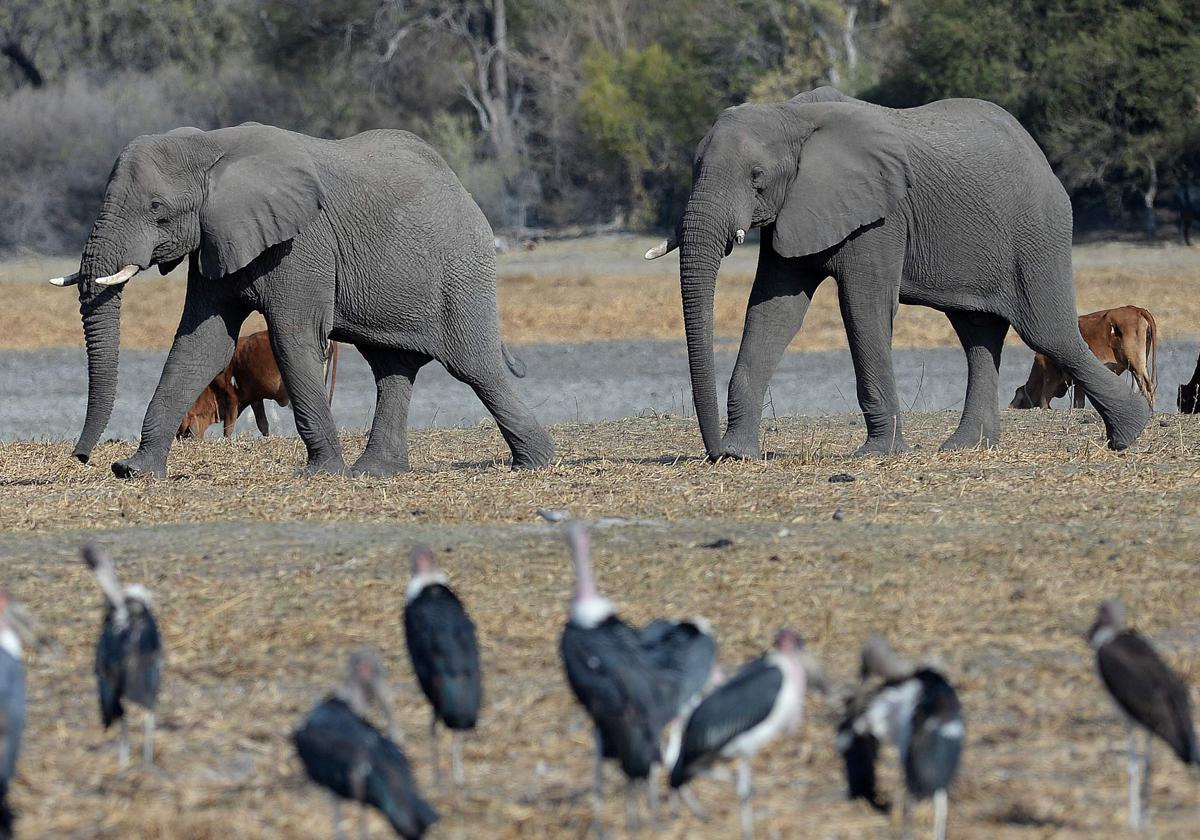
{"points": [[1149, 695], [444, 653], [14, 628], [344, 753], [615, 680], [684, 653], [129, 653], [763, 700], [917, 710]]}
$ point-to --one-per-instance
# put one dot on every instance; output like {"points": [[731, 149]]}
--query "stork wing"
{"points": [[736, 707], [445, 654], [1148, 691]]}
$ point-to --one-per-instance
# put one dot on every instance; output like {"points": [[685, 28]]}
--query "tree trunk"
{"points": [[1148, 196], [13, 52]]}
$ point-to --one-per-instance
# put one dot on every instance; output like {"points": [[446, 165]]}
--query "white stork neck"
{"points": [[1102, 636], [420, 581], [591, 611], [10, 642]]}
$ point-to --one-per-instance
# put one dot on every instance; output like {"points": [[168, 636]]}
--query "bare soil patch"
{"points": [[991, 562], [599, 289]]}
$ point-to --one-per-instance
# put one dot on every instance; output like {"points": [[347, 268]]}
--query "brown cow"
{"points": [[1189, 394], [251, 377], [1125, 338]]}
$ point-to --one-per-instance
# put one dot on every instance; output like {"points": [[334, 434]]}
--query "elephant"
{"points": [[950, 205], [369, 240]]}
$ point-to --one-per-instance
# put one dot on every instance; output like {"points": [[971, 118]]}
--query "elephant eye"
{"points": [[757, 174], [156, 205]]}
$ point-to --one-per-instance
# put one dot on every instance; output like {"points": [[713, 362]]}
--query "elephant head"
{"points": [[220, 198], [810, 171]]}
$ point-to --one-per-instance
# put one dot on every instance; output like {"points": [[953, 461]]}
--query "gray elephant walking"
{"points": [[950, 205], [370, 241]]}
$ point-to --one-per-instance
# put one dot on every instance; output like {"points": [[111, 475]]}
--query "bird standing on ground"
{"points": [[13, 630], [344, 753], [918, 710], [1149, 694], [444, 653], [129, 653], [763, 700], [614, 679]]}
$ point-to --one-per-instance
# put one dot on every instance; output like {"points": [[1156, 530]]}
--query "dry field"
{"points": [[601, 288], [989, 562]]}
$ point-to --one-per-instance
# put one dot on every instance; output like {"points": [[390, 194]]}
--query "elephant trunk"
{"points": [[101, 313], [100, 309], [703, 242]]}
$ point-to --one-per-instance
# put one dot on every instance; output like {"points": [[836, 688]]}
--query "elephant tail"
{"points": [[515, 365]]}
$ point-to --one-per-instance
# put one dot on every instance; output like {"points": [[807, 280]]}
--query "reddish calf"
{"points": [[1123, 339], [251, 377]]}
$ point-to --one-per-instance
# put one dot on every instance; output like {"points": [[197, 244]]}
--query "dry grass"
{"points": [[603, 289], [991, 562]]}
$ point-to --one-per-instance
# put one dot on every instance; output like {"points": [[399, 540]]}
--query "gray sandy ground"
{"points": [[43, 392]]}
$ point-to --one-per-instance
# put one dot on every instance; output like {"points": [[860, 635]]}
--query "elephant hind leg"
{"points": [[982, 338], [395, 371], [1051, 327], [530, 444]]}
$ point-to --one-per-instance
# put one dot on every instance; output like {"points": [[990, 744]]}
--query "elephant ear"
{"points": [[853, 171], [263, 191]]}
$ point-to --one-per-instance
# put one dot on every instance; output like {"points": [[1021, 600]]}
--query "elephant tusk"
{"points": [[120, 277], [664, 247], [740, 236], [69, 280]]}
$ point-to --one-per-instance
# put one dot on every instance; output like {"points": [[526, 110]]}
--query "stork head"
{"points": [[98, 559], [16, 625], [1110, 618], [422, 560], [788, 640], [879, 660], [366, 685]]}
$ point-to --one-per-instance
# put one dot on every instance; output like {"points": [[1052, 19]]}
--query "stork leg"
{"points": [[1145, 791], [362, 823], [652, 795], [906, 817], [940, 810], [598, 787], [338, 833], [1134, 766], [633, 823], [456, 758], [692, 803], [123, 744], [433, 749], [148, 740], [743, 791]]}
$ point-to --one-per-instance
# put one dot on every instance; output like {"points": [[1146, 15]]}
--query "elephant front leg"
{"points": [[982, 338], [395, 372], [868, 305], [299, 350], [203, 346], [778, 304]]}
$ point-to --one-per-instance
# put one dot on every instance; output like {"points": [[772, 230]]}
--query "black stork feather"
{"points": [[442, 645], [351, 758]]}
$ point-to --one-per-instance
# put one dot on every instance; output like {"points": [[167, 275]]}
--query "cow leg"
{"points": [[260, 417]]}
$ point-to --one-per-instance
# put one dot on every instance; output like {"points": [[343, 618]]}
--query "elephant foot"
{"points": [[378, 467], [741, 448], [533, 454], [328, 466], [140, 466], [891, 445], [1123, 427], [964, 439]]}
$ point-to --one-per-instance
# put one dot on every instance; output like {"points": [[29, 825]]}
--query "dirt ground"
{"points": [[991, 563], [602, 289]]}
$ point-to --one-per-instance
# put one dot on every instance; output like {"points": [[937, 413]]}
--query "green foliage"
{"points": [[601, 104]]}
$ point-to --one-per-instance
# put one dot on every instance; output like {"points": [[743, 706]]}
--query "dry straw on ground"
{"points": [[602, 289], [991, 562]]}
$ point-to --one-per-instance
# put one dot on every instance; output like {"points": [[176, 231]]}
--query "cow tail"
{"points": [[1152, 346]]}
